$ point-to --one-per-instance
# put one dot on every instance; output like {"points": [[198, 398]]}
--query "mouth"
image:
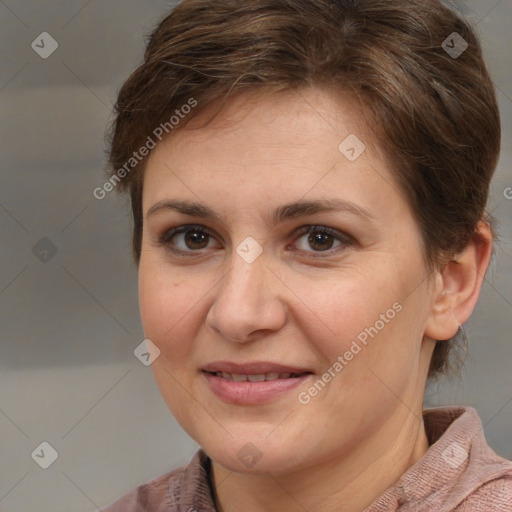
{"points": [[258, 377], [252, 383], [255, 371]]}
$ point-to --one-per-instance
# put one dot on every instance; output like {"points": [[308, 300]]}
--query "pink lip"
{"points": [[252, 393]]}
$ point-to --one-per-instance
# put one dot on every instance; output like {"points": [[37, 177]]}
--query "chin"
{"points": [[257, 457], [248, 463]]}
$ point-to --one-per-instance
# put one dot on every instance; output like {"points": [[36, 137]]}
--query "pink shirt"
{"points": [[459, 473]]}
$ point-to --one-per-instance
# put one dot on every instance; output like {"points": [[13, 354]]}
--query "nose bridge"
{"points": [[246, 278], [244, 284]]}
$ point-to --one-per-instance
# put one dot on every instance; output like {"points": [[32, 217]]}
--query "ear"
{"points": [[457, 286]]}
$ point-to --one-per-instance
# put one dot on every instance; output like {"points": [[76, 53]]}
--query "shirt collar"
{"points": [[457, 462]]}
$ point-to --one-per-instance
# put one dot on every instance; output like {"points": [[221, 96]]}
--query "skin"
{"points": [[364, 429]]}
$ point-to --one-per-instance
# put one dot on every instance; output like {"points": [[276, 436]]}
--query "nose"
{"points": [[247, 302]]}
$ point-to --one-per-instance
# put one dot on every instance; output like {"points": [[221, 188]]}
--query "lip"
{"points": [[252, 393], [252, 368]]}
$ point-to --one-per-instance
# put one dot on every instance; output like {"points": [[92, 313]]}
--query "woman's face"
{"points": [[293, 252]]}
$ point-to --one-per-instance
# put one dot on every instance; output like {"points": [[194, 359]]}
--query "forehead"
{"points": [[263, 115], [287, 145]]}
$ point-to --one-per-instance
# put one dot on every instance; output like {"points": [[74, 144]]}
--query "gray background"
{"points": [[70, 321]]}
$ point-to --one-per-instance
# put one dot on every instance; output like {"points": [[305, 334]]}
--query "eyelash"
{"points": [[164, 240]]}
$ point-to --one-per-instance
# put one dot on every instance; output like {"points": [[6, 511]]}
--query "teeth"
{"points": [[254, 378]]}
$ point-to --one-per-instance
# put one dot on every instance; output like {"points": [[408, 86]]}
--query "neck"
{"points": [[349, 483]]}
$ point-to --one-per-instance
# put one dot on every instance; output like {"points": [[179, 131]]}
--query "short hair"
{"points": [[415, 66]]}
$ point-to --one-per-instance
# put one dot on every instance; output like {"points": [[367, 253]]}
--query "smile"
{"points": [[261, 377], [254, 387]]}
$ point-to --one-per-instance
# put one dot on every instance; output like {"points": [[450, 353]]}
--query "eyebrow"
{"points": [[285, 212]]}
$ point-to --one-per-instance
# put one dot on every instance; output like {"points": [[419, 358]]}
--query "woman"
{"points": [[308, 182]]}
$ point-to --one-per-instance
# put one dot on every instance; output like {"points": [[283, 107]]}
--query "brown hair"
{"points": [[436, 111]]}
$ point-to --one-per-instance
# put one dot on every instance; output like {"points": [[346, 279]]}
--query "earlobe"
{"points": [[458, 286]]}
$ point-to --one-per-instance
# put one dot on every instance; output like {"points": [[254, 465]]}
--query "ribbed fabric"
{"points": [[459, 473]]}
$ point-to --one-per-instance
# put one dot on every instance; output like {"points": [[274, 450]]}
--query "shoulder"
{"points": [[492, 495], [151, 496], [185, 488]]}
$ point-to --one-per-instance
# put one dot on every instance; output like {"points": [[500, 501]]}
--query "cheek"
{"points": [[167, 306], [340, 310], [369, 322]]}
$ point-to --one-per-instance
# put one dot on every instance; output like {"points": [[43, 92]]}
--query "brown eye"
{"points": [[319, 239], [186, 239], [196, 240]]}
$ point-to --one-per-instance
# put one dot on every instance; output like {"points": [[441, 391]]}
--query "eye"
{"points": [[322, 240], [186, 239]]}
